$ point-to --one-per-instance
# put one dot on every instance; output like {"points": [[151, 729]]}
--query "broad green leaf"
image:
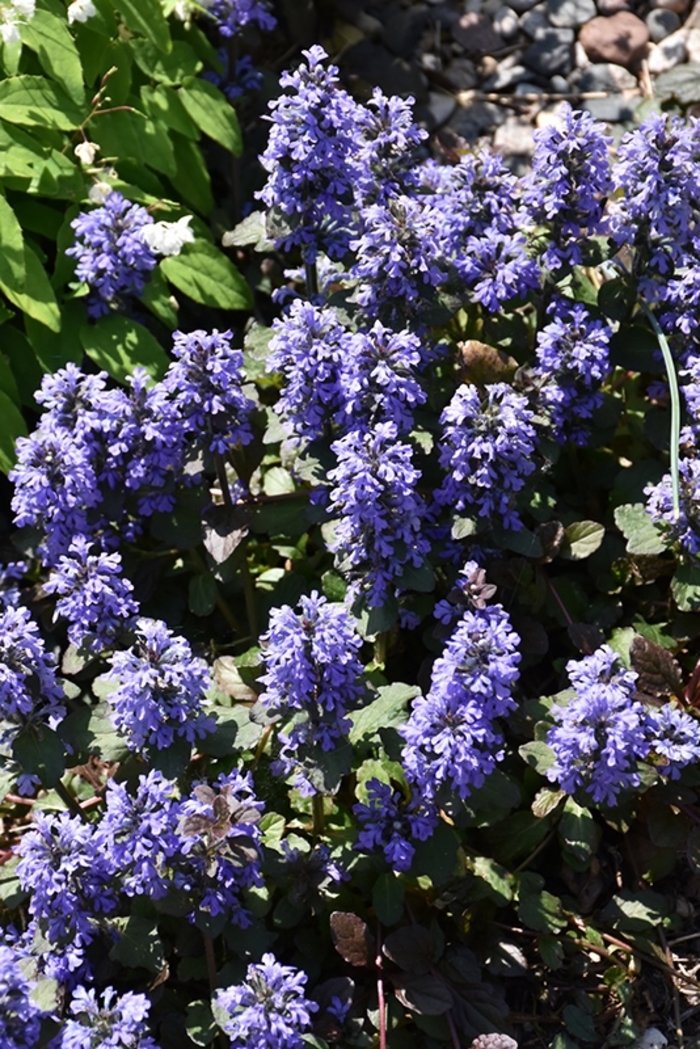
{"points": [[496, 878], [139, 946], [387, 710], [578, 831], [202, 594], [463, 527], [278, 481], [37, 299], [516, 836], [212, 112], [118, 345], [48, 36], [387, 898], [201, 1028], [8, 384], [642, 910], [639, 530], [172, 68], [542, 911], [156, 296], [10, 55], [146, 17], [191, 178], [162, 102], [537, 755], [133, 135], [13, 272], [54, 350], [685, 587], [581, 539], [35, 102], [203, 273], [12, 426], [39, 751], [25, 367]]}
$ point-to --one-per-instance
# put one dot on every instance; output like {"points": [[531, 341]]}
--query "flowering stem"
{"points": [[66, 796], [555, 595], [311, 279], [453, 1030], [211, 961], [381, 1002], [675, 408], [319, 814], [223, 480], [249, 595]]}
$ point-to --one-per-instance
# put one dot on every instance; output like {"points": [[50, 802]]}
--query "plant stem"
{"points": [[223, 479], [249, 595], [319, 814], [381, 1001], [675, 408], [311, 279], [211, 961], [66, 796]]}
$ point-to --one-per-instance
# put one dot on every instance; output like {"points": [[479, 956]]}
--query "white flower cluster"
{"points": [[168, 238], [10, 17], [80, 11]]}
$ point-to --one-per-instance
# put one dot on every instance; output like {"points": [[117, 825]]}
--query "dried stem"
{"points": [[71, 802], [381, 1001]]}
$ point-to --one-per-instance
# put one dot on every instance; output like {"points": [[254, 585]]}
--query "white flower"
{"points": [[167, 238], [86, 152], [80, 11], [24, 8], [10, 33], [98, 192]]}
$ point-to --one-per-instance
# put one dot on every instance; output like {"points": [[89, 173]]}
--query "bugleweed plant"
{"points": [[349, 665]]}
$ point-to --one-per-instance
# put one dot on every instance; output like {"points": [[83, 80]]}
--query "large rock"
{"points": [[476, 35], [604, 76], [622, 39], [552, 51]]}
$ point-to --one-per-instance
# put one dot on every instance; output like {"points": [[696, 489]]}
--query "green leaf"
{"points": [[203, 593], [146, 17], [162, 102], [8, 385], [693, 849], [201, 1027], [580, 1024], [25, 367], [156, 296], [496, 878], [37, 299], [139, 946], [546, 800], [463, 527], [542, 912], [522, 542], [49, 37], [191, 178], [118, 345], [170, 69], [35, 102], [278, 481], [387, 710], [537, 755], [54, 350], [640, 911], [578, 831], [685, 587], [387, 898], [639, 530], [39, 750], [203, 273], [551, 951], [12, 426], [438, 857], [131, 134], [212, 112], [13, 271], [516, 836], [581, 539]]}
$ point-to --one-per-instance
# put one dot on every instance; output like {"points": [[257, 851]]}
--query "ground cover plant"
{"points": [[349, 660]]}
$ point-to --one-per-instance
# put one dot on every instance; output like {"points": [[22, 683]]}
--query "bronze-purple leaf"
{"points": [[351, 938]]}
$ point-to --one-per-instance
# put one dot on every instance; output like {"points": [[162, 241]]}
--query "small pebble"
{"points": [[506, 78], [570, 14], [652, 1038], [611, 7], [679, 6], [506, 22], [668, 53], [661, 23], [692, 45], [622, 39], [535, 21], [552, 51], [520, 6]]}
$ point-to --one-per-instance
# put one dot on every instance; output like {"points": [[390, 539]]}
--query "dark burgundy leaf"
{"points": [[586, 637], [659, 673], [412, 948], [224, 529], [424, 994], [351, 938]]}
